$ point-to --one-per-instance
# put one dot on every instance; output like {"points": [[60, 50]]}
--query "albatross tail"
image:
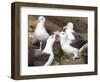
{"points": [[83, 47]]}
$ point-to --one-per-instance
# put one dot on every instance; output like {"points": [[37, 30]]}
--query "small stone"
{"points": [[55, 63]]}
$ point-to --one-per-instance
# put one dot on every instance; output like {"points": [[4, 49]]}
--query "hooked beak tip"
{"points": [[64, 28]]}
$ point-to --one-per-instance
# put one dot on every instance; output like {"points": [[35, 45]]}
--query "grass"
{"points": [[84, 54], [60, 57]]}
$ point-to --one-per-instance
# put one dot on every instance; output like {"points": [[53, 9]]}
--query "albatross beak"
{"points": [[56, 35], [65, 27]]}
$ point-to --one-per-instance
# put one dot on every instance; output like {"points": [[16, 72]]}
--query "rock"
{"points": [[81, 60], [55, 63]]}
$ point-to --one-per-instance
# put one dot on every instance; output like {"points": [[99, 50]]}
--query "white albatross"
{"points": [[71, 34], [71, 46], [40, 32], [49, 49], [45, 57]]}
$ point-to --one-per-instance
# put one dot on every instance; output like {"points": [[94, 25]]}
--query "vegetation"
{"points": [[60, 57]]}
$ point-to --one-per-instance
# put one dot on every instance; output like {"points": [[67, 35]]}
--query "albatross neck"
{"points": [[40, 26], [64, 41], [48, 48]]}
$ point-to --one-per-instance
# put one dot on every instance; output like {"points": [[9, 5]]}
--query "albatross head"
{"points": [[41, 19], [69, 26], [62, 35], [51, 39]]}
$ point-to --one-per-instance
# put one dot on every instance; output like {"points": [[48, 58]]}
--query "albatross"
{"points": [[71, 46], [40, 32], [45, 57], [71, 34]]}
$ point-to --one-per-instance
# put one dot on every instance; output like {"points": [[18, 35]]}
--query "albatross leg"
{"points": [[40, 45], [75, 56]]}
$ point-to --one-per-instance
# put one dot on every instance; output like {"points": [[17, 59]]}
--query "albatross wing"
{"points": [[38, 60], [78, 43]]}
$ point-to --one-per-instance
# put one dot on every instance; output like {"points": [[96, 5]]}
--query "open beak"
{"points": [[56, 35], [65, 27]]}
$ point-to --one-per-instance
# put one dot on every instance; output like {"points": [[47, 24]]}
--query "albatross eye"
{"points": [[62, 33]]}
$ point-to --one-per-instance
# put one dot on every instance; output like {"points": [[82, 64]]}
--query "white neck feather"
{"points": [[48, 48], [64, 41], [40, 26]]}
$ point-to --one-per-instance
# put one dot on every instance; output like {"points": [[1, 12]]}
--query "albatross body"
{"points": [[71, 46], [49, 49], [45, 57], [40, 32]]}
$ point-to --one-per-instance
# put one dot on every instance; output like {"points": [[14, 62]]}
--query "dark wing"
{"points": [[41, 60], [78, 43], [37, 59], [77, 35], [49, 31]]}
